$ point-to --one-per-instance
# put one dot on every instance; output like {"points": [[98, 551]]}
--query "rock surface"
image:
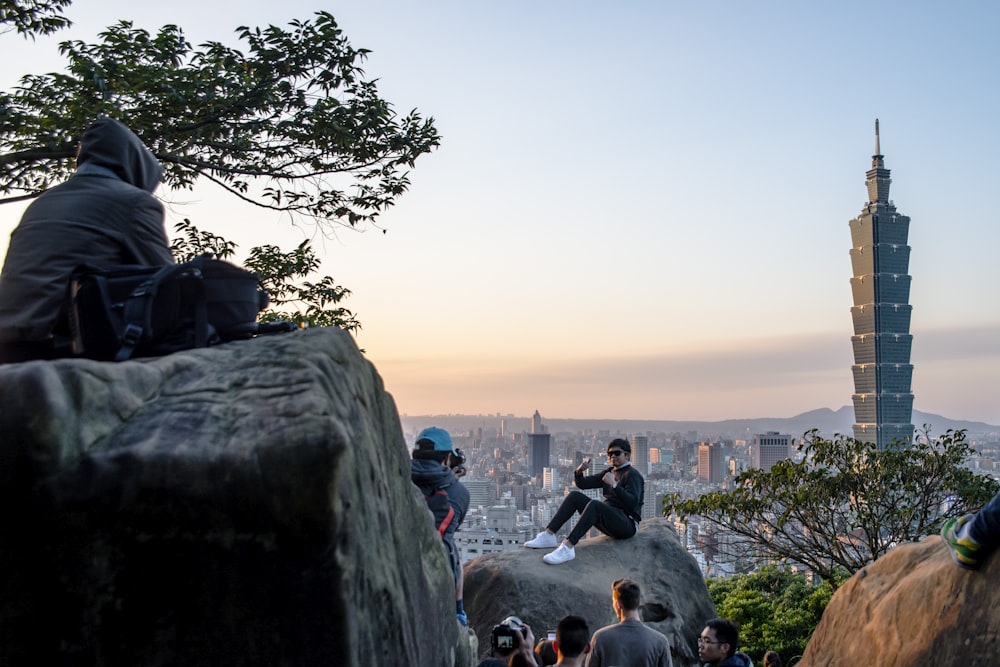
{"points": [[675, 600], [911, 607], [246, 504]]}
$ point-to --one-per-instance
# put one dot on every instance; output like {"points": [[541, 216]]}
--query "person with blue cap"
{"points": [[434, 455]]}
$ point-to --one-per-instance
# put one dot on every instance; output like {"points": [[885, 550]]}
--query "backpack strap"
{"points": [[446, 521], [137, 314], [442, 527]]}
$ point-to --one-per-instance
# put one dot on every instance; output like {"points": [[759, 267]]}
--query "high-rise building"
{"points": [[536, 423], [652, 501], [539, 445], [681, 453], [710, 462], [482, 492], [551, 479], [640, 453], [766, 449], [880, 258]]}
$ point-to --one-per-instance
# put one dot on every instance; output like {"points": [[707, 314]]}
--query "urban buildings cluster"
{"points": [[517, 480]]}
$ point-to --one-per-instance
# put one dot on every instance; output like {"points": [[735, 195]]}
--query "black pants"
{"points": [[606, 518]]}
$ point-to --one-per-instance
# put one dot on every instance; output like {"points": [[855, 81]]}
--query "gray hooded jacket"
{"points": [[104, 215]]}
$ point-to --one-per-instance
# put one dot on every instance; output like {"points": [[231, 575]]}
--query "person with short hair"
{"points": [[572, 642], [618, 516], [104, 215], [718, 645], [628, 642], [431, 471], [545, 652]]}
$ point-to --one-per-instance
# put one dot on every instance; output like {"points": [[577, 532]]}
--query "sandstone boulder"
{"points": [[675, 600], [911, 607], [246, 504]]}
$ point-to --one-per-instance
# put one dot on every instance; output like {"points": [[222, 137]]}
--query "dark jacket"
{"points": [[431, 475], [104, 215], [626, 496], [738, 659]]}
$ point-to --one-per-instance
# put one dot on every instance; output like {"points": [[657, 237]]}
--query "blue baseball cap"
{"points": [[440, 438]]}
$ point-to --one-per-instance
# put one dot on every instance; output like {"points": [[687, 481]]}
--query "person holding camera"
{"points": [[434, 456], [618, 516], [511, 642]]}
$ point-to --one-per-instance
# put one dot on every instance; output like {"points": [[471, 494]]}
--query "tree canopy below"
{"points": [[844, 505], [775, 609]]}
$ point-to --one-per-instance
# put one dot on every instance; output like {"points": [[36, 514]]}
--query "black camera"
{"points": [[506, 636], [458, 458]]}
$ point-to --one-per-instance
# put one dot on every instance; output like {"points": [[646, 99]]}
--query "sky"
{"points": [[639, 210]]}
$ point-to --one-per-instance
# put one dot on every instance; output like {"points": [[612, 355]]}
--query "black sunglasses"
{"points": [[616, 452]]}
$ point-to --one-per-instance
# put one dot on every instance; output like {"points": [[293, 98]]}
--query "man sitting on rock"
{"points": [[618, 516], [104, 215], [447, 498], [718, 644], [972, 538]]}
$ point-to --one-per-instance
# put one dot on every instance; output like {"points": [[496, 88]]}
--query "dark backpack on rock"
{"points": [[141, 311], [437, 503]]}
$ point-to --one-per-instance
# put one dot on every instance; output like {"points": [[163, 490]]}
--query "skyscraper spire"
{"points": [[877, 178], [880, 255]]}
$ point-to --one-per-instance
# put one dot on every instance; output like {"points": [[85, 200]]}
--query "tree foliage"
{"points": [[289, 123], [845, 504], [776, 610], [305, 303], [33, 17]]}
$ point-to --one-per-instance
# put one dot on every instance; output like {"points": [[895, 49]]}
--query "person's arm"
{"points": [[147, 236], [665, 659], [594, 655], [589, 481], [628, 492], [525, 654]]}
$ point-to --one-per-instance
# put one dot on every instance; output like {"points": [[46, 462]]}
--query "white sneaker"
{"points": [[544, 540], [560, 555]]}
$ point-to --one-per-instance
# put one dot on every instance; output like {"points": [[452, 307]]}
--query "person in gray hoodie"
{"points": [[104, 215]]}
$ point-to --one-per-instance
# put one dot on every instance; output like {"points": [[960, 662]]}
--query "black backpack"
{"points": [[437, 503], [140, 311]]}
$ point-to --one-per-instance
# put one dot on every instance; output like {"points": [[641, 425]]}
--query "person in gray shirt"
{"points": [[628, 642]]}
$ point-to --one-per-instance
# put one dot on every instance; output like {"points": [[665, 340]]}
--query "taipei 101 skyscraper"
{"points": [[880, 258]]}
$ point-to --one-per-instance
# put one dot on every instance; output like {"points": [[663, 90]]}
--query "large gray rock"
{"points": [[675, 600], [911, 607], [247, 504]]}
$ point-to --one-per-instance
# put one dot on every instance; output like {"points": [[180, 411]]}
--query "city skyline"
{"points": [[640, 211]]}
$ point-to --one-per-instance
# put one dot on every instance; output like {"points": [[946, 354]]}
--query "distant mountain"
{"points": [[828, 422]]}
